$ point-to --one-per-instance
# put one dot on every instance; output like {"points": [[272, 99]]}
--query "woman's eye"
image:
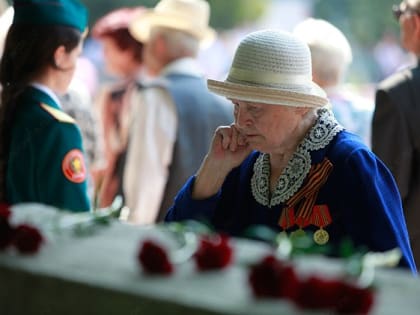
{"points": [[254, 109]]}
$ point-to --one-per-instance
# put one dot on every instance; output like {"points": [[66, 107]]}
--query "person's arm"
{"points": [[391, 140], [61, 175], [374, 214], [227, 151], [185, 207], [199, 196]]}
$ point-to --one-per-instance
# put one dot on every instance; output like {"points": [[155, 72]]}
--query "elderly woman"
{"points": [[286, 162]]}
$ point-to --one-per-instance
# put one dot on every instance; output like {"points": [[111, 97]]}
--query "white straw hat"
{"points": [[272, 67], [190, 16]]}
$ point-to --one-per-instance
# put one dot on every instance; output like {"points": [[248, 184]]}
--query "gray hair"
{"points": [[330, 50], [179, 43]]}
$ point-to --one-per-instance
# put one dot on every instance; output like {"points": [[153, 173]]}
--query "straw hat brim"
{"points": [[269, 95], [140, 29]]}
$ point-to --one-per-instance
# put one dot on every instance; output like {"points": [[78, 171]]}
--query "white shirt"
{"points": [[152, 137], [47, 91]]}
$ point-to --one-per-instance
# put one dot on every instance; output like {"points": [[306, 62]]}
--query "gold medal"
{"points": [[321, 237]]}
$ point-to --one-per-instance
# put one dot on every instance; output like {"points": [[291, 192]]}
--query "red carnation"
{"points": [[317, 293], [27, 239], [344, 298], [273, 278], [354, 300], [214, 252], [154, 259], [5, 211]]}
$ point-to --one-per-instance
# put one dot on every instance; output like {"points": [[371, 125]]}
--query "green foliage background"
{"points": [[365, 20], [225, 14]]}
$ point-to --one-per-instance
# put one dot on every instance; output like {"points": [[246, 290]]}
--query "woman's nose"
{"points": [[242, 118]]}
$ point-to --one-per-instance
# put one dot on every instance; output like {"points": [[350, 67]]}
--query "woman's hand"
{"points": [[228, 148], [227, 151]]}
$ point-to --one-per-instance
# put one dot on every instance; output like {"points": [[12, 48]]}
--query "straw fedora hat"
{"points": [[272, 67], [190, 16]]}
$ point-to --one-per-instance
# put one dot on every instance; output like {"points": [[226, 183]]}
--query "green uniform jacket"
{"points": [[46, 163]]}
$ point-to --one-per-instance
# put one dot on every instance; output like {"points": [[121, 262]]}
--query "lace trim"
{"points": [[319, 136]]}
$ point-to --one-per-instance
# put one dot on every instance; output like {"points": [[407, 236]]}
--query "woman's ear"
{"points": [[60, 57], [160, 45]]}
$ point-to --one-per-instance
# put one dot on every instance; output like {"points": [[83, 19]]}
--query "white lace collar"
{"points": [[318, 137]]}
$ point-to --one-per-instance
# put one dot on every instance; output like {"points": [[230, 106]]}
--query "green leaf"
{"points": [[346, 248], [261, 233]]}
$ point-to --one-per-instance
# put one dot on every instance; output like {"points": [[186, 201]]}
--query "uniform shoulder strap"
{"points": [[58, 114]]}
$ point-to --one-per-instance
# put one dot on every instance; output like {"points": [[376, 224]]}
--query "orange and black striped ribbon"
{"points": [[287, 218], [321, 216], [304, 200]]}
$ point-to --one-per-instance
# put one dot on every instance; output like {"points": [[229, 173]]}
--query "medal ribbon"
{"points": [[321, 216], [305, 198], [287, 218]]}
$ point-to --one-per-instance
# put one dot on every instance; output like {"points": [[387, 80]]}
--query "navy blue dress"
{"points": [[360, 193]]}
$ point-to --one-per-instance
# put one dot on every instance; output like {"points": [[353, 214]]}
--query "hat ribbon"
{"points": [[268, 78]]}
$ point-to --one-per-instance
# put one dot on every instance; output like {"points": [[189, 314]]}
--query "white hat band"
{"points": [[265, 78]]}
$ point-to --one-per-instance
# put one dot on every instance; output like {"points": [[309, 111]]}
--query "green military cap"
{"points": [[51, 12]]}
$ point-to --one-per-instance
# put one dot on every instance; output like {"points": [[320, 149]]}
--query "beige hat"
{"points": [[272, 67], [190, 16]]}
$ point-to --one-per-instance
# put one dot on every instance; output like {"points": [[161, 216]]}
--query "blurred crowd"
{"points": [[111, 60]]}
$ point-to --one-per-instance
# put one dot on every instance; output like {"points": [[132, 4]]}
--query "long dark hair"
{"points": [[28, 51]]}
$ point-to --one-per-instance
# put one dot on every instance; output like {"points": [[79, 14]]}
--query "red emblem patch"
{"points": [[74, 166]]}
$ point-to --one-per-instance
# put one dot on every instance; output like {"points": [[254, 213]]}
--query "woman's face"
{"points": [[67, 66], [408, 26], [267, 128], [118, 62]]}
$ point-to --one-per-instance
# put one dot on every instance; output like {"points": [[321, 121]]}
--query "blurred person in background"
{"points": [[78, 103], [175, 114], [331, 57], [41, 151], [123, 60], [389, 55], [395, 126]]}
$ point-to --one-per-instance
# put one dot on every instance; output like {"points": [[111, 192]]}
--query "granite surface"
{"points": [[99, 274]]}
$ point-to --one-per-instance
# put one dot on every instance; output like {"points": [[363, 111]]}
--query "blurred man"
{"points": [[174, 115], [396, 128]]}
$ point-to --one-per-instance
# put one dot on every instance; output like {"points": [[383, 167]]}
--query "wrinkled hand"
{"points": [[229, 148], [227, 151]]}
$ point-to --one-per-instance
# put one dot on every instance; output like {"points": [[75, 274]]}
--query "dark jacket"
{"points": [[46, 158], [396, 140]]}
